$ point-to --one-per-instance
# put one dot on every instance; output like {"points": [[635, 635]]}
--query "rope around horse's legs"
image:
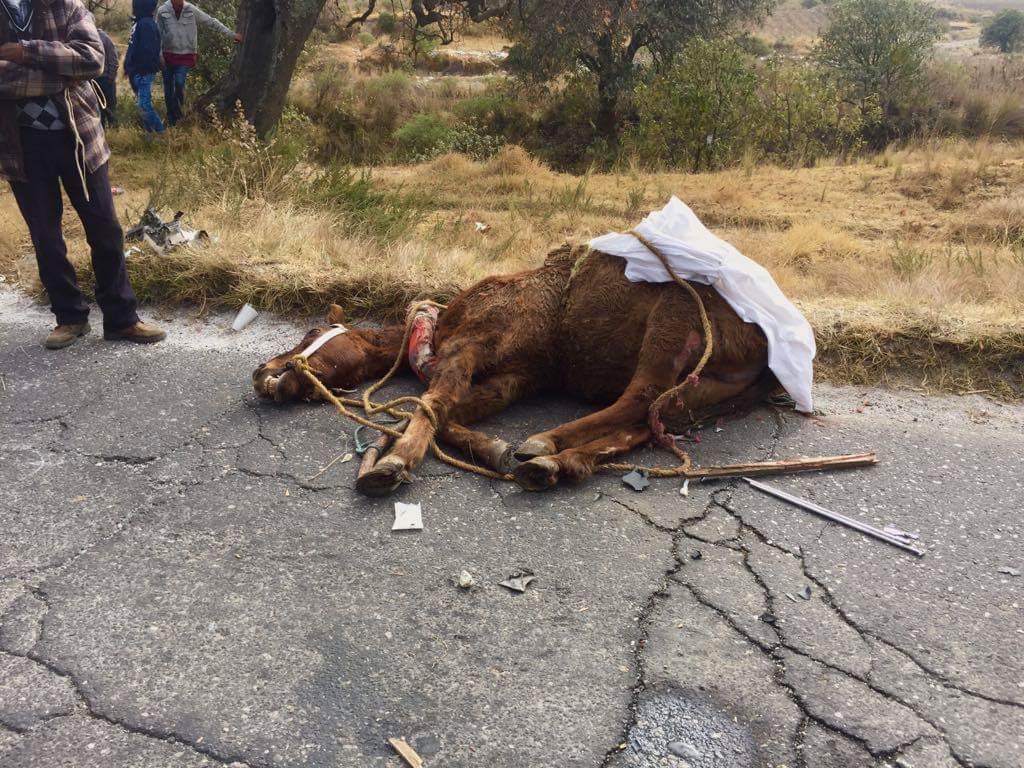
{"points": [[370, 408]]}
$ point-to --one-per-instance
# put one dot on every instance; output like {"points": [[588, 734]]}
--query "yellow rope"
{"points": [[654, 412], [684, 469], [370, 408]]}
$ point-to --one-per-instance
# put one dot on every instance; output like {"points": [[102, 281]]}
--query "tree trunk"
{"points": [[606, 121], [274, 32]]}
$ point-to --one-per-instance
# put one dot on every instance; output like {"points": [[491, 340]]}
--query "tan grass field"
{"points": [[910, 265]]}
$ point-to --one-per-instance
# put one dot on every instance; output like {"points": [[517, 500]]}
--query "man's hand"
{"points": [[12, 52], [238, 37]]}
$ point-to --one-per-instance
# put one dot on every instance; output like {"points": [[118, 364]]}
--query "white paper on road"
{"points": [[696, 254], [408, 517]]}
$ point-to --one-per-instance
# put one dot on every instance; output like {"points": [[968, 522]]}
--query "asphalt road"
{"points": [[175, 591]]}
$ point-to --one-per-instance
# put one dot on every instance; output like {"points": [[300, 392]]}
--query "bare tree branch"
{"points": [[363, 17]]}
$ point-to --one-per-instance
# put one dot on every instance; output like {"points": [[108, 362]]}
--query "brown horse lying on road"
{"points": [[576, 326]]}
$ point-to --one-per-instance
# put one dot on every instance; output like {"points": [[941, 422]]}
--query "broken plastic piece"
{"points": [[245, 316], [805, 593], [408, 753], [518, 582], [685, 490], [637, 480], [408, 517]]}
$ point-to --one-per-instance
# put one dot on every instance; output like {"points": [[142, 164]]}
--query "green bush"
{"points": [[566, 135], [715, 106], [803, 115], [215, 50], [753, 45], [387, 23], [423, 136], [875, 50], [500, 112], [698, 113], [1004, 31]]}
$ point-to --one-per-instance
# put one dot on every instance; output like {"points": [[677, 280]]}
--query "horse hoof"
{"points": [[537, 474], [506, 463], [533, 448], [385, 477]]}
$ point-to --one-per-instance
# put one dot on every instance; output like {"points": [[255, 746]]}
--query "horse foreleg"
{"points": [[450, 384], [577, 464], [487, 398]]}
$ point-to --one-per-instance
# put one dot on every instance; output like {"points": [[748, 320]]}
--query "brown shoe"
{"points": [[140, 333], [66, 335]]}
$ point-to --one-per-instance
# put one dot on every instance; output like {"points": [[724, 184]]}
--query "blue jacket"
{"points": [[143, 56]]}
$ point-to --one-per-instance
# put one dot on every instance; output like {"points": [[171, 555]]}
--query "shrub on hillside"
{"points": [[697, 113], [1005, 31], [499, 112], [215, 50], [875, 50], [566, 136], [803, 116], [387, 23], [422, 137], [715, 106]]}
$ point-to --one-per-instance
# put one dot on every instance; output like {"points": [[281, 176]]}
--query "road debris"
{"points": [[482, 228], [340, 459], [870, 530], [1009, 571], [408, 517], [685, 490], [163, 236], [805, 593], [466, 580], [684, 750], [768, 618], [696, 554], [518, 582], [408, 753], [637, 480], [892, 530], [245, 316]]}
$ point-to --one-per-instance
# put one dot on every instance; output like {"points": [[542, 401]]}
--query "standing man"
{"points": [[179, 35], [50, 134]]}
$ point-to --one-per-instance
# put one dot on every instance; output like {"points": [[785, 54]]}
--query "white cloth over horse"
{"points": [[698, 255]]}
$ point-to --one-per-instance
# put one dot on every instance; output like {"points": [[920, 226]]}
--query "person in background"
{"points": [[51, 135], [179, 34], [108, 80], [142, 62]]}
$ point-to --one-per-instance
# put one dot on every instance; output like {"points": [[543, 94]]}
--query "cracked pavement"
{"points": [[176, 591]]}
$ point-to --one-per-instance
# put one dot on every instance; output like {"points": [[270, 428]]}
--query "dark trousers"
{"points": [[49, 158], [174, 91], [109, 88]]}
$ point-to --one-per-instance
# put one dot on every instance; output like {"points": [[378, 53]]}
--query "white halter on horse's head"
{"points": [[336, 330]]}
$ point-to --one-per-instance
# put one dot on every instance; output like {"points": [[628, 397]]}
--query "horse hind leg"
{"points": [[576, 464]]}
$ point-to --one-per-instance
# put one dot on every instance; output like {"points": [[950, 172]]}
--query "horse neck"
{"points": [[383, 346]]}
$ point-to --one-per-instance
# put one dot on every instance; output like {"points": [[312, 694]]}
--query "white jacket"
{"points": [[181, 34]]}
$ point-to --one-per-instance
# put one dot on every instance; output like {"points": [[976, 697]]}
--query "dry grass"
{"points": [[908, 265]]}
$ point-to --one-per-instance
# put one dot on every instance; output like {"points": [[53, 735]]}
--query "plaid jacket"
{"points": [[62, 56]]}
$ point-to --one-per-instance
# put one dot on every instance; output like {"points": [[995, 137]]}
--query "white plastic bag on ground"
{"points": [[698, 255]]}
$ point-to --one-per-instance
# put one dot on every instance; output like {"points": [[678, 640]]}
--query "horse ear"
{"points": [[335, 315]]}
